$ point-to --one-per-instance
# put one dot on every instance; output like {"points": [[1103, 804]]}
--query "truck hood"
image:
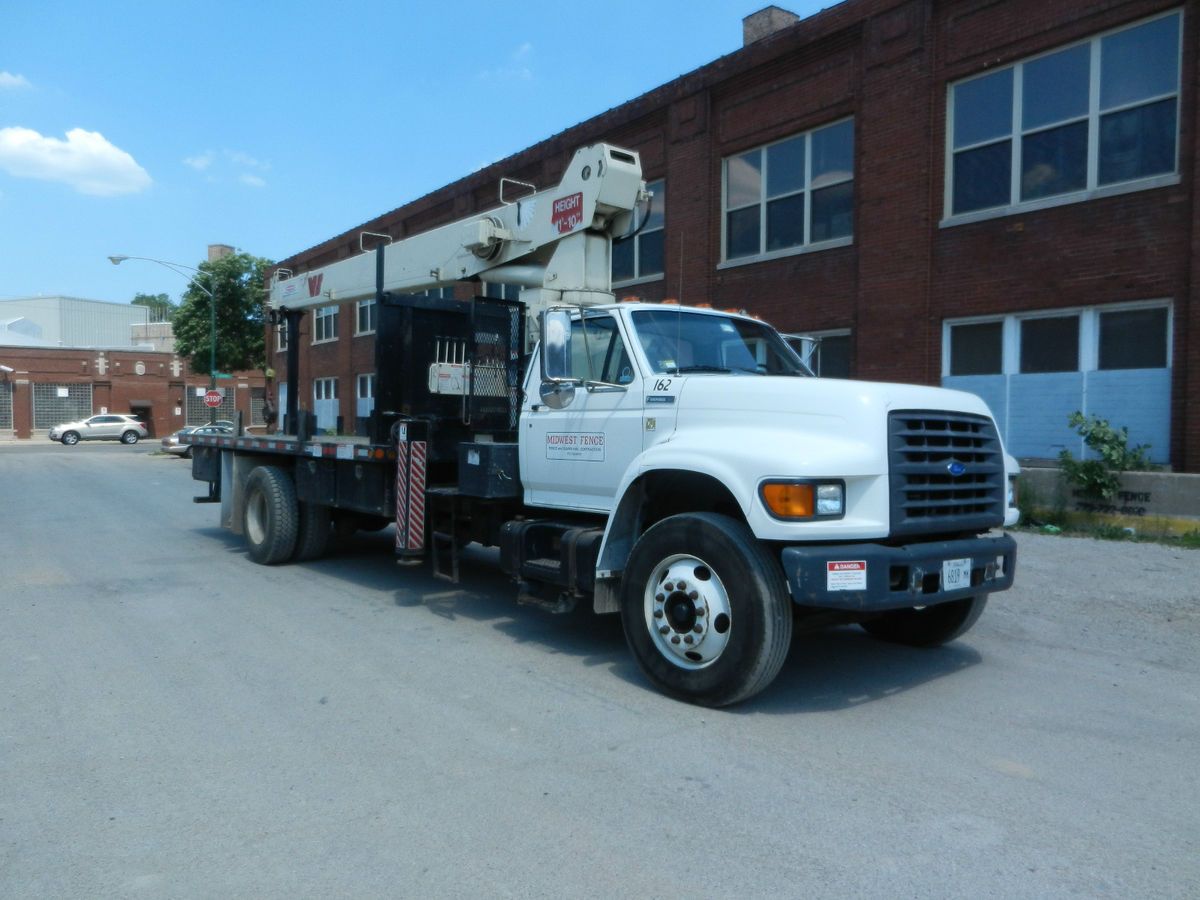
{"points": [[816, 422]]}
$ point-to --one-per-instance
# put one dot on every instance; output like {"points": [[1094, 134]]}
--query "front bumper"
{"points": [[873, 577]]}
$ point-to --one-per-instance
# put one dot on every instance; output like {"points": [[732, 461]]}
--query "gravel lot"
{"points": [[178, 722]]}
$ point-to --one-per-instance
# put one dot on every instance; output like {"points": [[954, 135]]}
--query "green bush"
{"points": [[1101, 477]]}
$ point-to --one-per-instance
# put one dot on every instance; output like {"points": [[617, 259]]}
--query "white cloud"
{"points": [[199, 162], [11, 82], [85, 160], [515, 70], [246, 161], [251, 180]]}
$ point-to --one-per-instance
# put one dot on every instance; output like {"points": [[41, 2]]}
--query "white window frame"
{"points": [[325, 320], [807, 246], [656, 186], [1093, 190], [497, 291], [372, 310], [325, 388], [1089, 334], [281, 336], [367, 378]]}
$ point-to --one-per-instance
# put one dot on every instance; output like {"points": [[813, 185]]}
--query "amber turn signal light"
{"points": [[789, 501]]}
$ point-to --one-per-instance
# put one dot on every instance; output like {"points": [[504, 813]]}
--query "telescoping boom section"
{"points": [[555, 244]]}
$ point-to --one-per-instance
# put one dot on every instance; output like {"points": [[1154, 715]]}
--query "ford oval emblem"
{"points": [[956, 468]]}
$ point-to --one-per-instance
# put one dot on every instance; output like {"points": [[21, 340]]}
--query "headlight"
{"points": [[1012, 492], [803, 499]]}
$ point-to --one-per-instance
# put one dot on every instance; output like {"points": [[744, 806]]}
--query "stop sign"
{"points": [[213, 398]]}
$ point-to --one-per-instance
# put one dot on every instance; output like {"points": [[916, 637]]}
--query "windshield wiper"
{"points": [[682, 370]]}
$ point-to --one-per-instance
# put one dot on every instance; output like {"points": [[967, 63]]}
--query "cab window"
{"points": [[597, 351]]}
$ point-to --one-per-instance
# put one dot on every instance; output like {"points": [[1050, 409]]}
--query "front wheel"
{"points": [[129, 437], [929, 626], [71, 438], [705, 609]]}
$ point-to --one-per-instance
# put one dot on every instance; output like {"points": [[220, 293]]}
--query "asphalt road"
{"points": [[176, 721]]}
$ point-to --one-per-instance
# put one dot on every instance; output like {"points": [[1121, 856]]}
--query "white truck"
{"points": [[678, 466]]}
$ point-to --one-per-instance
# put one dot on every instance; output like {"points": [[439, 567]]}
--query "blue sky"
{"points": [[156, 128]]}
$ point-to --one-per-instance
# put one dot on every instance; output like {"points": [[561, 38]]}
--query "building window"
{"points": [[1098, 113], [977, 348], [281, 336], [1050, 344], [325, 324], [366, 387], [325, 389], [1099, 338], [642, 256], [365, 311], [789, 195], [501, 291]]}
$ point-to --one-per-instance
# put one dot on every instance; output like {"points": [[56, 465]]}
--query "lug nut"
{"points": [[668, 586], [675, 639], [692, 595], [688, 640], [699, 629], [660, 597], [658, 614], [664, 630]]}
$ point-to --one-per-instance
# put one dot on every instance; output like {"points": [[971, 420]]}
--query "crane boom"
{"points": [[556, 244]]}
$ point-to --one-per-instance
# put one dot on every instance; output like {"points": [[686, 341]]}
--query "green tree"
{"points": [[237, 283], [162, 309]]}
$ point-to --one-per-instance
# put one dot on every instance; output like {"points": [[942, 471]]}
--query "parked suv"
{"points": [[107, 427]]}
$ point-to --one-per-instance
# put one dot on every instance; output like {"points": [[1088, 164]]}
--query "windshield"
{"points": [[678, 342]]}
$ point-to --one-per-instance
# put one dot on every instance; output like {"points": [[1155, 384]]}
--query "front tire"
{"points": [[705, 609], [70, 439], [129, 437], [270, 520], [931, 626]]}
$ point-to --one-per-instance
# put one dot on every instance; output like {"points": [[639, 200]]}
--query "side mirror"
{"points": [[557, 394], [556, 345]]}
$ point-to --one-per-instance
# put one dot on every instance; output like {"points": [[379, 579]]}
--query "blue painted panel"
{"points": [[363, 406], [1037, 419], [1138, 399], [327, 413], [989, 388]]}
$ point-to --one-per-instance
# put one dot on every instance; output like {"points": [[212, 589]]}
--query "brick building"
{"points": [[49, 385], [998, 197], [66, 358]]}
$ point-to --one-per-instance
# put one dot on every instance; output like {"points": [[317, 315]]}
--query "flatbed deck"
{"points": [[342, 446]]}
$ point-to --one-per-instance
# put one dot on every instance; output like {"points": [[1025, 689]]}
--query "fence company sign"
{"points": [[579, 445]]}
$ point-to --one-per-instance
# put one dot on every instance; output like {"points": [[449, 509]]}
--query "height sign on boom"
{"points": [[567, 213]]}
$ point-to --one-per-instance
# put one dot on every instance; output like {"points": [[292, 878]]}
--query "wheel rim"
{"points": [[256, 515], [687, 612]]}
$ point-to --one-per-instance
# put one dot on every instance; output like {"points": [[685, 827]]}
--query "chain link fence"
{"points": [[197, 413], [54, 404], [6, 415]]}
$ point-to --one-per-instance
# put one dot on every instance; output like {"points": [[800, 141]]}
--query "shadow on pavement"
{"points": [[825, 671]]}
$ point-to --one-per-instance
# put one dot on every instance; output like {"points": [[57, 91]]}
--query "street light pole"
{"points": [[212, 314]]}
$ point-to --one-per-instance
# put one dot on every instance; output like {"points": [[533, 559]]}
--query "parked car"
{"points": [[106, 427], [172, 444]]}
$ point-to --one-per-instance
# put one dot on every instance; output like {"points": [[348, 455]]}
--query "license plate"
{"points": [[956, 573]]}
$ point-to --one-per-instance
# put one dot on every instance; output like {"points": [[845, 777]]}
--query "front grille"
{"points": [[925, 451]]}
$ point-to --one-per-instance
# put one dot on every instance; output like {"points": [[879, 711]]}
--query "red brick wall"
{"points": [[119, 386], [888, 63]]}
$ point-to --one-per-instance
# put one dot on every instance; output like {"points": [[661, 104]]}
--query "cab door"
{"points": [[575, 452]]}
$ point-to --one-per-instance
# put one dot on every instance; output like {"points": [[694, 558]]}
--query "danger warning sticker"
{"points": [[846, 575]]}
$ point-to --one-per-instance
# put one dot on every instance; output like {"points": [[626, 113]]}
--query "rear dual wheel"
{"points": [[705, 609], [271, 518], [278, 527]]}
